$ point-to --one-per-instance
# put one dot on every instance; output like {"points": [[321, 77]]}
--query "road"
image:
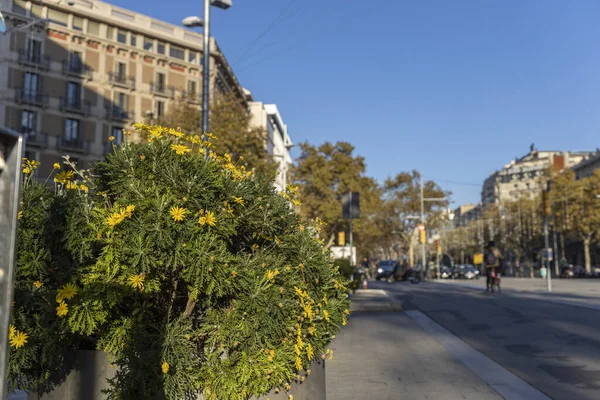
{"points": [[544, 339]]}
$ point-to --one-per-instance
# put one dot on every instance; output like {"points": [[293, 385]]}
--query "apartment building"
{"points": [[588, 166], [465, 214], [278, 142], [85, 70], [524, 177]]}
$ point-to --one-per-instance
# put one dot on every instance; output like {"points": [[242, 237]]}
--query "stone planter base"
{"points": [[91, 371]]}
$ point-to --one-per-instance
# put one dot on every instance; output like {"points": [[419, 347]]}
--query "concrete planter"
{"points": [[91, 370]]}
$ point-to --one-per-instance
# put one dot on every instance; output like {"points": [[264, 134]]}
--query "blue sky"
{"points": [[455, 89]]}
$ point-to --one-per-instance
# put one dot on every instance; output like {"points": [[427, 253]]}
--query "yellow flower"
{"points": [[298, 364], [238, 200], [180, 149], [29, 166], [296, 202], [62, 309], [344, 320], [309, 352], [347, 312], [56, 165], [291, 397], [137, 281], [178, 213], [115, 219], [68, 291], [64, 177], [11, 331], [202, 221], [37, 284], [18, 339], [234, 274], [165, 367], [111, 138], [210, 218], [142, 157], [20, 214], [71, 186], [271, 275], [83, 187], [312, 330], [326, 315], [129, 210], [280, 305], [271, 355]]}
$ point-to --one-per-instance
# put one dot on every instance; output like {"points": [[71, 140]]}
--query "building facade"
{"points": [[465, 214], [525, 177], [278, 141], [587, 167], [87, 70]]}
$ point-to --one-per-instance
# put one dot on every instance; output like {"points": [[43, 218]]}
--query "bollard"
{"points": [[11, 152]]}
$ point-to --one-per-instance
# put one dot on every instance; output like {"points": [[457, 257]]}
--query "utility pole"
{"points": [[547, 212], [423, 223]]}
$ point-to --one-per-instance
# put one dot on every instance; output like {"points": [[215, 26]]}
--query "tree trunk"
{"points": [[563, 255], [586, 253]]}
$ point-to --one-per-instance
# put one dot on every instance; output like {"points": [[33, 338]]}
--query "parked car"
{"points": [[465, 271], [385, 269], [445, 272]]}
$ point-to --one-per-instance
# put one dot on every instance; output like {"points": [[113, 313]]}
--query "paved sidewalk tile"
{"points": [[388, 356]]}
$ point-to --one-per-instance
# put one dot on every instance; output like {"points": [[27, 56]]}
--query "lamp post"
{"points": [[196, 22]]}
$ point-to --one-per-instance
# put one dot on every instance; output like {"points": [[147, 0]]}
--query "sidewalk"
{"points": [[374, 301], [387, 355]]}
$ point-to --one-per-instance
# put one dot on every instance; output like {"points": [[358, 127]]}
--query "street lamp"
{"points": [[197, 22]]}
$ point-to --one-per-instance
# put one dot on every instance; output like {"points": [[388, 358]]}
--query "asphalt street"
{"points": [[551, 341]]}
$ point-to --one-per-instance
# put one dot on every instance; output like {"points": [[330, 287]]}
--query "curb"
{"points": [[371, 301]]}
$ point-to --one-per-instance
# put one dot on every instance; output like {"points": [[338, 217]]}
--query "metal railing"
{"points": [[121, 80], [32, 97], [75, 106], [41, 61], [76, 69], [162, 89], [192, 97], [34, 138], [117, 113], [79, 145]]}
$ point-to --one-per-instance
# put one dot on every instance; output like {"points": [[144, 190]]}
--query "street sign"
{"points": [[351, 205], [478, 258]]}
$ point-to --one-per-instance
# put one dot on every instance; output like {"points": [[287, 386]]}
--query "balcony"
{"points": [[31, 97], [160, 89], [192, 97], [121, 80], [34, 139], [76, 69], [29, 58], [116, 113], [76, 145], [75, 106]]}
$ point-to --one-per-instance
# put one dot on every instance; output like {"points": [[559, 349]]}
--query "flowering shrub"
{"points": [[193, 274]]}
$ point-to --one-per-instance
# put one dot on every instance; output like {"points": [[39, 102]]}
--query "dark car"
{"points": [[465, 271], [385, 269], [445, 272]]}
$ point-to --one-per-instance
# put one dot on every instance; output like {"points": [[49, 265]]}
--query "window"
{"points": [[121, 36], [110, 34], [121, 70], [176, 52], [71, 130], [28, 121], [75, 60], [121, 101], [34, 50], [30, 83], [93, 28], [160, 109], [191, 88], [58, 17], [160, 81], [73, 93], [132, 40], [160, 49], [148, 44], [19, 7], [78, 23], [192, 57], [117, 132]]}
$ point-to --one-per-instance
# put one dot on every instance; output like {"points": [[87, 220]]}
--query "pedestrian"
{"points": [[492, 259]]}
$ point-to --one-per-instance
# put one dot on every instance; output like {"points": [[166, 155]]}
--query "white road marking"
{"points": [[507, 384]]}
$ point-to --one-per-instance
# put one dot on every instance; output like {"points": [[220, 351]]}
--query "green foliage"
{"points": [[194, 274], [346, 269]]}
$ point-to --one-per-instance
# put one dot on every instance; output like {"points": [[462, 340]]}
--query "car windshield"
{"points": [[387, 265]]}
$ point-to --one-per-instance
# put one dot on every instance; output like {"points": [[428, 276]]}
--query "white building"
{"points": [[267, 116]]}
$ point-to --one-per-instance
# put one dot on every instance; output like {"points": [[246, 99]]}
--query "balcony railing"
{"points": [[192, 97], [31, 97], [33, 138], [76, 69], [117, 113], [121, 80], [41, 61], [78, 145], [75, 106], [162, 90]]}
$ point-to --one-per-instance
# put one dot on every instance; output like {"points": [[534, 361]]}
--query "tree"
{"points": [[230, 123], [323, 174]]}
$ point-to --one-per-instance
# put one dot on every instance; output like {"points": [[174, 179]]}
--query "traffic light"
{"points": [[547, 205], [341, 238], [422, 234], [436, 245]]}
